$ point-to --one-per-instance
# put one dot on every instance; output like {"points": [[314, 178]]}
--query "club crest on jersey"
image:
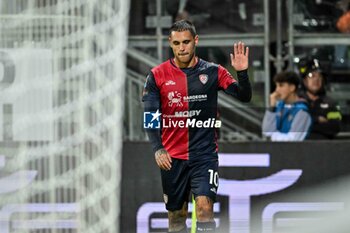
{"points": [[203, 78]]}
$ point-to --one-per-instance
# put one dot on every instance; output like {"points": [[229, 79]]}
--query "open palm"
{"points": [[239, 58]]}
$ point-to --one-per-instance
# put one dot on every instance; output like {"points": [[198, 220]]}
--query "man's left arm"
{"points": [[242, 89]]}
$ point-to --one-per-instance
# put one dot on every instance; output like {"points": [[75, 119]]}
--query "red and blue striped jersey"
{"points": [[188, 102]]}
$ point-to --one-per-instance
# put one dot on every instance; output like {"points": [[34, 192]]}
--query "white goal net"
{"points": [[62, 74]]}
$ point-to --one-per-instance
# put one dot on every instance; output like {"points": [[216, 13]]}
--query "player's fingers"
{"points": [[158, 163], [161, 165], [166, 165], [235, 48], [243, 48], [247, 52], [167, 162], [169, 157], [240, 47], [162, 162], [231, 56]]}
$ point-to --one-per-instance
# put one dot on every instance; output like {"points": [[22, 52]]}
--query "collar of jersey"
{"points": [[188, 70]]}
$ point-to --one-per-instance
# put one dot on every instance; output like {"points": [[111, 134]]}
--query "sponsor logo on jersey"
{"points": [[195, 98], [174, 98], [190, 113], [170, 83]]}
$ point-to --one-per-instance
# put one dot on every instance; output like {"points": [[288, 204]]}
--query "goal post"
{"points": [[62, 77]]}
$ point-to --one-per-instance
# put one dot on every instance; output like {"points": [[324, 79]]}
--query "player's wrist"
{"points": [[161, 151], [242, 74]]}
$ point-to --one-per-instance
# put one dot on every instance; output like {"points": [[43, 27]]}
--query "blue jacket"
{"points": [[288, 122]]}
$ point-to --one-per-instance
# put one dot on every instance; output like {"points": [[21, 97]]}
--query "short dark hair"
{"points": [[287, 77], [183, 25]]}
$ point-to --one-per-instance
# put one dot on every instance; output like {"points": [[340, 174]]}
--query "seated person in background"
{"points": [[326, 117], [288, 118]]}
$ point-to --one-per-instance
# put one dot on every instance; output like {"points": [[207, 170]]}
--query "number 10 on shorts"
{"points": [[213, 177]]}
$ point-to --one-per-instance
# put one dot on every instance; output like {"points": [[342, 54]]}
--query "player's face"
{"points": [[183, 45], [313, 82], [285, 90]]}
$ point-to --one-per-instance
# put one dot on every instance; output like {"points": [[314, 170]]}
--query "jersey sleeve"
{"points": [[241, 90], [151, 100], [225, 78], [150, 90]]}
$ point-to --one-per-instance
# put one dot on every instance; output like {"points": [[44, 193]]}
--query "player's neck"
{"points": [[189, 64]]}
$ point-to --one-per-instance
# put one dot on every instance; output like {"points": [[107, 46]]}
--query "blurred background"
{"points": [[74, 156], [281, 34]]}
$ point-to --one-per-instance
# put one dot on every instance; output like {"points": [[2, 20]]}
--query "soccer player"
{"points": [[288, 118], [182, 92]]}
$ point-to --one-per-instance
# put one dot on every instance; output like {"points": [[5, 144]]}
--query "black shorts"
{"points": [[200, 177]]}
